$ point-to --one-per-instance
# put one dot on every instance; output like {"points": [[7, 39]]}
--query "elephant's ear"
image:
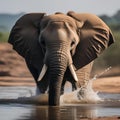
{"points": [[24, 38], [95, 36]]}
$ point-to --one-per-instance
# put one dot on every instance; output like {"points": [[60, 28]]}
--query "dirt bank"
{"points": [[11, 64]]}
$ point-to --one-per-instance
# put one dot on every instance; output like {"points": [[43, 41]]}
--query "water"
{"points": [[82, 95], [30, 112], [71, 109], [16, 103]]}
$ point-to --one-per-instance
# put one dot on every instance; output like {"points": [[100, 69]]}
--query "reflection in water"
{"points": [[64, 113], [60, 113], [71, 112]]}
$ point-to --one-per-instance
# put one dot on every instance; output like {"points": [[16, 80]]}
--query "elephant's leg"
{"points": [[68, 77], [73, 83], [74, 86], [84, 75], [84, 82], [33, 70], [41, 85]]}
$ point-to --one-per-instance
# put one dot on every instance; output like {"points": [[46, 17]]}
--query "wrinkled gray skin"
{"points": [[59, 48]]}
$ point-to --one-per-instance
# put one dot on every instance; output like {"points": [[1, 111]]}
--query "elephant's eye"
{"points": [[43, 46], [72, 43], [42, 41]]}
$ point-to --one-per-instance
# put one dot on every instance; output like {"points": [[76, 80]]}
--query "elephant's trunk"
{"points": [[57, 67], [57, 63]]}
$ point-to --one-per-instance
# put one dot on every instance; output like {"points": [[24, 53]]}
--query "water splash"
{"points": [[81, 95], [100, 74], [85, 94]]}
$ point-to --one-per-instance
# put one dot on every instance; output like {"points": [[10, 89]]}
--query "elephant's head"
{"points": [[58, 44]]}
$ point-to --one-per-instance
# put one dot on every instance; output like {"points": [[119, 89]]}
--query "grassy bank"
{"points": [[4, 36], [110, 57]]}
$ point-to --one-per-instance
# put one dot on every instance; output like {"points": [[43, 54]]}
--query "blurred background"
{"points": [[11, 64]]}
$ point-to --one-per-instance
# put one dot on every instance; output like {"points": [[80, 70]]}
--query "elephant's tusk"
{"points": [[43, 71], [73, 72]]}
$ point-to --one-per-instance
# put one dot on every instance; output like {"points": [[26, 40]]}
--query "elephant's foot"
{"points": [[42, 86], [37, 92], [74, 86], [41, 91]]}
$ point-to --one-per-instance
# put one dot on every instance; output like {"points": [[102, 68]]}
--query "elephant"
{"points": [[58, 46]]}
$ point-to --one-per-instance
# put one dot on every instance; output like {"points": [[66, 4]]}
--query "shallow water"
{"points": [[13, 111], [30, 112]]}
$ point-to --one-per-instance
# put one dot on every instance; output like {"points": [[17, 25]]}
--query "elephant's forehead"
{"points": [[58, 18]]}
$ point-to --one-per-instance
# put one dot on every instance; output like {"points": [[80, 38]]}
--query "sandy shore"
{"points": [[108, 84], [105, 118]]}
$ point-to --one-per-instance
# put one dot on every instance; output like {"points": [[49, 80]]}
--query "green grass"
{"points": [[4, 36], [111, 56]]}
